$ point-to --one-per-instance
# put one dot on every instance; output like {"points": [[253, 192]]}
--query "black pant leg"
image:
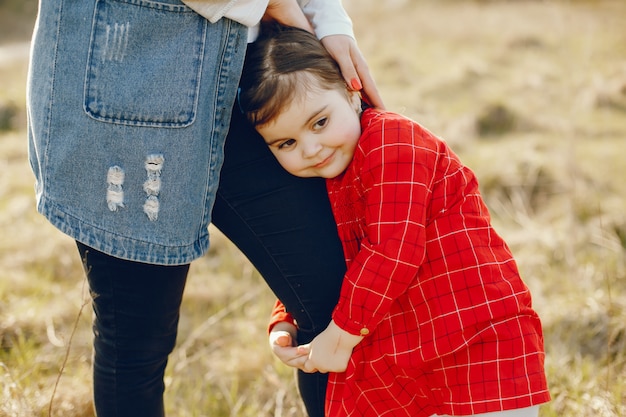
{"points": [[136, 311], [285, 227]]}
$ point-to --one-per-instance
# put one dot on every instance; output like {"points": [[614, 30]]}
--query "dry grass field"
{"points": [[530, 93]]}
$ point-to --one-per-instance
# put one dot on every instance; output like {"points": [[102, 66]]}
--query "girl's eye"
{"points": [[320, 123], [287, 143]]}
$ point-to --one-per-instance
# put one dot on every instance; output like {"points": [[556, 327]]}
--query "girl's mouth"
{"points": [[324, 162]]}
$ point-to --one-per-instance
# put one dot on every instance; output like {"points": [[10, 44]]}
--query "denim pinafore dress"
{"points": [[129, 103]]}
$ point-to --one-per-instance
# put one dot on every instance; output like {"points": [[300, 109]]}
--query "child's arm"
{"points": [[397, 160], [283, 337], [279, 314]]}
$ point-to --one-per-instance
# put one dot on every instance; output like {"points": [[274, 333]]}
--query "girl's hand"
{"points": [[288, 13], [353, 67], [282, 342], [330, 351]]}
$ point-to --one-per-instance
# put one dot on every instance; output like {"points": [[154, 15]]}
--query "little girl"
{"points": [[433, 317]]}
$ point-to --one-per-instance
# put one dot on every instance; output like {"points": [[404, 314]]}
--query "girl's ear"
{"points": [[355, 100]]}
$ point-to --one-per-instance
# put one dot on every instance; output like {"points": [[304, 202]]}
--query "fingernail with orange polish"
{"points": [[355, 83]]}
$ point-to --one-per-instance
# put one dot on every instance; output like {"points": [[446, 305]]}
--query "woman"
{"points": [[129, 104]]}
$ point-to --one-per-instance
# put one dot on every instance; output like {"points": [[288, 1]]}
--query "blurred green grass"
{"points": [[531, 94]]}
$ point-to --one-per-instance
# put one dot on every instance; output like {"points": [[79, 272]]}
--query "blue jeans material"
{"points": [[128, 105]]}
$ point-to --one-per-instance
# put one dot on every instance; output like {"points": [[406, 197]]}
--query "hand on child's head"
{"points": [[354, 69], [287, 13]]}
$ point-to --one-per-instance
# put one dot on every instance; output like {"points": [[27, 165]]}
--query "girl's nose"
{"points": [[311, 148]]}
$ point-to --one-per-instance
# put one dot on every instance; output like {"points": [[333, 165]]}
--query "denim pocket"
{"points": [[142, 77]]}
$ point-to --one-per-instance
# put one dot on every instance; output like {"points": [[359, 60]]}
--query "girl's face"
{"points": [[315, 136]]}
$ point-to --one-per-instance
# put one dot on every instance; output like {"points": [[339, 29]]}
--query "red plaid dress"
{"points": [[448, 321]]}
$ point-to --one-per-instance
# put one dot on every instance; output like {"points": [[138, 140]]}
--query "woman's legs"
{"points": [[284, 225], [136, 308]]}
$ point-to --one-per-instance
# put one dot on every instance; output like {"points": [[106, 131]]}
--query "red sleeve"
{"points": [[279, 314], [397, 170]]}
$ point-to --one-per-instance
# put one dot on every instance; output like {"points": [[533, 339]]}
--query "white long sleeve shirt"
{"points": [[328, 17]]}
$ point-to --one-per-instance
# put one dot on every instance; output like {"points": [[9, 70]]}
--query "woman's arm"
{"points": [[328, 17], [246, 12], [397, 172], [250, 12]]}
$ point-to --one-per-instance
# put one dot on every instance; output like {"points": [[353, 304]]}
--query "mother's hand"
{"points": [[342, 48], [287, 13], [354, 69]]}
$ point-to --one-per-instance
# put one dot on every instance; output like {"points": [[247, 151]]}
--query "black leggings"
{"points": [[283, 224]]}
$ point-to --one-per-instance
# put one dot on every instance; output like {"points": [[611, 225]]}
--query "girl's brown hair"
{"points": [[281, 65]]}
